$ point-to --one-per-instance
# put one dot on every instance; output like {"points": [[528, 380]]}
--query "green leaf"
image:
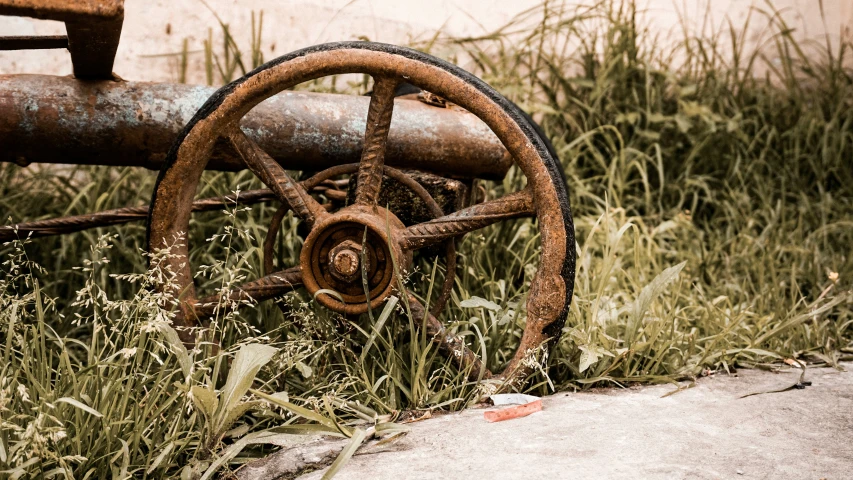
{"points": [[656, 117], [21, 470], [590, 354], [308, 429], [177, 347], [302, 412], [582, 82], [687, 91], [80, 405], [162, 456], [651, 291], [248, 361], [387, 428], [477, 302], [330, 292], [282, 396], [205, 400], [234, 414], [4, 457], [650, 134], [588, 358], [377, 327], [356, 440], [304, 369], [684, 123], [630, 118]]}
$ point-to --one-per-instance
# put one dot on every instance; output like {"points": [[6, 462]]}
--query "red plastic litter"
{"points": [[517, 411]]}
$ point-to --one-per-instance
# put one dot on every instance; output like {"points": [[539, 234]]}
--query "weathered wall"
{"points": [[155, 27]]}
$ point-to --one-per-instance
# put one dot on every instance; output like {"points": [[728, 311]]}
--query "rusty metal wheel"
{"points": [[335, 255]]}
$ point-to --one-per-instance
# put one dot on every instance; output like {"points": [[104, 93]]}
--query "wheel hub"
{"points": [[353, 253]]}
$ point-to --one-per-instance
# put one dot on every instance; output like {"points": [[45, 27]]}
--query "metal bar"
{"points": [[117, 216], [515, 205], [93, 27], [264, 288], [277, 178], [48, 119], [93, 45], [63, 10], [379, 115], [44, 42]]}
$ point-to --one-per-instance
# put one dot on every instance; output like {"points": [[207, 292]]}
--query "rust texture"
{"points": [[375, 138], [450, 195], [46, 119], [475, 217], [408, 195], [386, 245], [451, 346], [345, 261], [411, 181], [93, 28], [118, 216], [264, 288], [275, 177], [374, 229]]}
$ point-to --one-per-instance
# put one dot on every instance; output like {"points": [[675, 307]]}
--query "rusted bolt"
{"points": [[345, 261]]}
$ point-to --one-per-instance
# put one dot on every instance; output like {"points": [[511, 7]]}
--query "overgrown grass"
{"points": [[713, 200]]}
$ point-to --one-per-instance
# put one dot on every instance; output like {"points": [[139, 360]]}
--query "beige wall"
{"points": [[291, 24]]}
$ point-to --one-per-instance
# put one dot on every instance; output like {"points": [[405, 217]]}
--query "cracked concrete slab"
{"points": [[705, 432]]}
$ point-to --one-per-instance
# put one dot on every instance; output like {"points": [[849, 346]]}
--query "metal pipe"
{"points": [[49, 119]]}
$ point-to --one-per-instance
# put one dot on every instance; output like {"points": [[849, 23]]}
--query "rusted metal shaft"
{"points": [[264, 288], [47, 119], [118, 216]]}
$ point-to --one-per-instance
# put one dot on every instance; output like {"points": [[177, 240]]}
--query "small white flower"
{"points": [[23, 393], [127, 352]]}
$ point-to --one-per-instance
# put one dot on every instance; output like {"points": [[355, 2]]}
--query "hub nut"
{"points": [[345, 261]]}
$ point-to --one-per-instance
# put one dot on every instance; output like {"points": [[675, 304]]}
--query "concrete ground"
{"points": [[706, 432]]}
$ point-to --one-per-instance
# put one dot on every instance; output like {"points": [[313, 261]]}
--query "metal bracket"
{"points": [[93, 30]]}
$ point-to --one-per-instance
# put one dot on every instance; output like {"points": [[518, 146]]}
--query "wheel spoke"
{"points": [[475, 217], [274, 176], [375, 141], [258, 290], [450, 345]]}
